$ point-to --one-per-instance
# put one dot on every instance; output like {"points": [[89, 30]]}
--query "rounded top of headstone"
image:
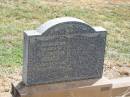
{"points": [[63, 20]]}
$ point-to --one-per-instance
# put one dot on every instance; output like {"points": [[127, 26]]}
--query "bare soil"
{"points": [[5, 83], [120, 0], [111, 70]]}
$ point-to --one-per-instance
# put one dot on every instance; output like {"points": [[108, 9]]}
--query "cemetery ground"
{"points": [[19, 15]]}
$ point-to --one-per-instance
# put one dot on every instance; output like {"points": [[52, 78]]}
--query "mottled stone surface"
{"points": [[63, 49]]}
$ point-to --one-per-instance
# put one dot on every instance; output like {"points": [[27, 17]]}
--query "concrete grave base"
{"points": [[86, 88], [83, 88], [121, 87]]}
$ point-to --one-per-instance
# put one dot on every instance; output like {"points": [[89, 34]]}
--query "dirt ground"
{"points": [[111, 70], [5, 83], [120, 1]]}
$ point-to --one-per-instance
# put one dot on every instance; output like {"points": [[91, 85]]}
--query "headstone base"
{"points": [[83, 88]]}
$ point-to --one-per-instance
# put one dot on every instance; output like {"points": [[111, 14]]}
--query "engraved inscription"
{"points": [[64, 53]]}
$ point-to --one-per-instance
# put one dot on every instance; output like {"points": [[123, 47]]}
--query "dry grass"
{"points": [[75, 2]]}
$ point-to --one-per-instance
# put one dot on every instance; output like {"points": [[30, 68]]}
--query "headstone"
{"points": [[63, 49]]}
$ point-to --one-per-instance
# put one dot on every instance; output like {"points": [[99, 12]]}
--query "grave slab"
{"points": [[86, 88], [63, 49]]}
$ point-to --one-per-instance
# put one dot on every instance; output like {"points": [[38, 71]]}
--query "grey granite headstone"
{"points": [[63, 49]]}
